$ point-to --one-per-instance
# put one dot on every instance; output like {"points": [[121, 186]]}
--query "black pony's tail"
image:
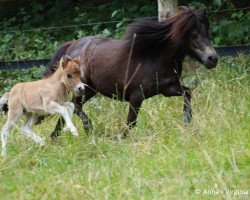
{"points": [[4, 102], [53, 64]]}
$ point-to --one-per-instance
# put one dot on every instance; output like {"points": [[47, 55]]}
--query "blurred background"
{"points": [[33, 29]]}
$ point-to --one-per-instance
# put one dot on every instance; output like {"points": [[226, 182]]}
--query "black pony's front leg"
{"points": [[134, 107], [79, 101], [180, 90]]}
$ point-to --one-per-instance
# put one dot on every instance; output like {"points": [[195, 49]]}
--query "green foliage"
{"points": [[8, 78], [227, 28], [39, 43]]}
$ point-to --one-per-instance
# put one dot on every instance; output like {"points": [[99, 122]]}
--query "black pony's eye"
{"points": [[69, 76], [194, 35]]}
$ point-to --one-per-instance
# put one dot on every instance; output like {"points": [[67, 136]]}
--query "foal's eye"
{"points": [[69, 76]]}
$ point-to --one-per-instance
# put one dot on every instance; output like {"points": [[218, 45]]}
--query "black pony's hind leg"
{"points": [[187, 115], [58, 128]]}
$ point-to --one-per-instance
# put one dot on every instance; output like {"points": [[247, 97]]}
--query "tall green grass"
{"points": [[161, 158]]}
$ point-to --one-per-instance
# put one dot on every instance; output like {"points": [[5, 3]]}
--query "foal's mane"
{"points": [[148, 37]]}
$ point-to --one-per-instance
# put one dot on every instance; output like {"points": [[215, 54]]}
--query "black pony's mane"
{"points": [[147, 37]]}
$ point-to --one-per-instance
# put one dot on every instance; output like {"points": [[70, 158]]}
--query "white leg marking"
{"points": [[27, 129], [70, 107], [12, 120], [5, 131]]}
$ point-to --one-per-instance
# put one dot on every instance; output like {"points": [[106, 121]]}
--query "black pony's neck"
{"points": [[172, 60]]}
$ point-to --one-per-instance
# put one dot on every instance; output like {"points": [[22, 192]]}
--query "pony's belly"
{"points": [[37, 111]]}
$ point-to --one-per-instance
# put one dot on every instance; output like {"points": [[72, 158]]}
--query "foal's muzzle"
{"points": [[80, 88]]}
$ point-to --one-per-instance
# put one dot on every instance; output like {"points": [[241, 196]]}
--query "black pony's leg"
{"points": [[187, 115], [79, 101], [134, 107], [58, 128], [180, 90]]}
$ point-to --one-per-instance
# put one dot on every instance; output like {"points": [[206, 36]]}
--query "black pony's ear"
{"points": [[67, 58], [77, 60], [203, 11]]}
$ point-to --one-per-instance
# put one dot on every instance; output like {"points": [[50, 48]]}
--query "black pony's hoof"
{"points": [[186, 118], [87, 126], [54, 135]]}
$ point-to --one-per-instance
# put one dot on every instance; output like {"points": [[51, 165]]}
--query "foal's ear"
{"points": [[77, 60], [64, 61]]}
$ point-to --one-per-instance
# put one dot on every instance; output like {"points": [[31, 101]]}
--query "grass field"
{"points": [[160, 159]]}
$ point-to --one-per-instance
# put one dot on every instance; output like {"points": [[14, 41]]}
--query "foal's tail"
{"points": [[54, 62], [4, 102]]}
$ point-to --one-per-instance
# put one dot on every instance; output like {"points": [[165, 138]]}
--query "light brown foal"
{"points": [[46, 96]]}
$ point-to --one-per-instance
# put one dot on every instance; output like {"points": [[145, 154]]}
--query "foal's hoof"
{"points": [[42, 143], [119, 137], [75, 133], [3, 155], [186, 118], [65, 129]]}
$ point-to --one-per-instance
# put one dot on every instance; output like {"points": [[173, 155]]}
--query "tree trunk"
{"points": [[166, 8]]}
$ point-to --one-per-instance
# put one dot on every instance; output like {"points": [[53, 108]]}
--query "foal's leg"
{"points": [[180, 90], [27, 129], [70, 107], [54, 107], [13, 118], [78, 101]]}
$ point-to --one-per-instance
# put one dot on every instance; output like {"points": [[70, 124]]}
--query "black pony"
{"points": [[146, 63]]}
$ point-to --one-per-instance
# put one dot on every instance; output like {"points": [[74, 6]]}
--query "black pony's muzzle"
{"points": [[211, 60]]}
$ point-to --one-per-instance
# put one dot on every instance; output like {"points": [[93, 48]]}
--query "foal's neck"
{"points": [[57, 79]]}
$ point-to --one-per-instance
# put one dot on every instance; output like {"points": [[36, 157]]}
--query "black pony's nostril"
{"points": [[213, 59]]}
